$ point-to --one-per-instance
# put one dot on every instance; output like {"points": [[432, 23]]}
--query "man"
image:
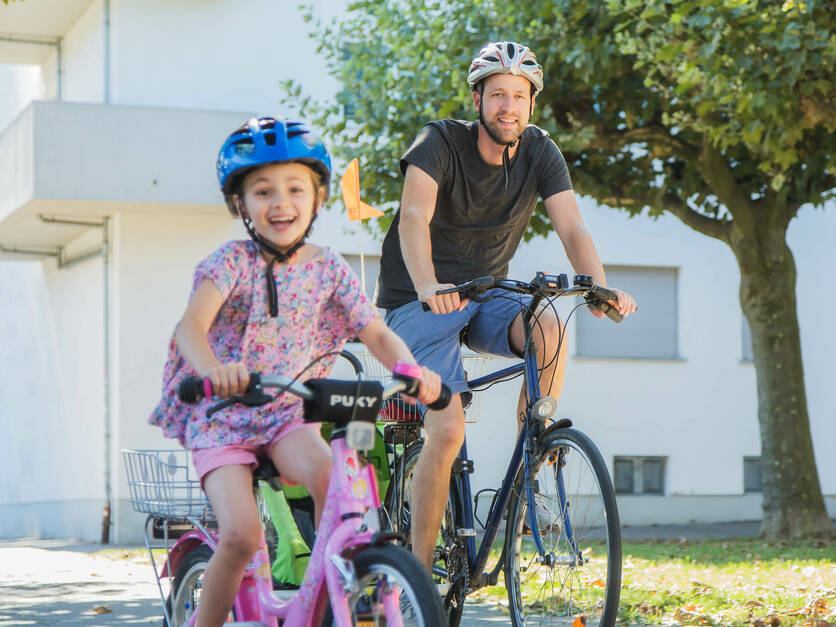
{"points": [[469, 191]]}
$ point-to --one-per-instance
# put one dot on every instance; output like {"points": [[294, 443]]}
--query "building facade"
{"points": [[111, 114]]}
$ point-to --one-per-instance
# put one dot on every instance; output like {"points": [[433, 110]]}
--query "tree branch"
{"points": [[717, 174], [718, 229], [656, 135]]}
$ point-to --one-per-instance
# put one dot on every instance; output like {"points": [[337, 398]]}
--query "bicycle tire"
{"points": [[420, 604], [185, 589], [449, 554], [557, 594]]}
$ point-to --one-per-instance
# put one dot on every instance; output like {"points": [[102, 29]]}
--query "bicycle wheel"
{"points": [[379, 569], [580, 573], [449, 558], [188, 580]]}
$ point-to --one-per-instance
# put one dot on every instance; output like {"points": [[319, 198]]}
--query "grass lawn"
{"points": [[701, 582], [722, 582]]}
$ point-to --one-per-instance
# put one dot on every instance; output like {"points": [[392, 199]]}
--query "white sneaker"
{"points": [[548, 520]]}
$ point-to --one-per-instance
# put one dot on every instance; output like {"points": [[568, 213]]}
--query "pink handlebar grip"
{"points": [[207, 388], [407, 370]]}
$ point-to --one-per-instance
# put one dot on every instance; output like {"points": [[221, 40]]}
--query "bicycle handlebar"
{"points": [[543, 285], [192, 389]]}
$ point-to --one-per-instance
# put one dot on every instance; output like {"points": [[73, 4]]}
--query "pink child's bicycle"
{"points": [[356, 575]]}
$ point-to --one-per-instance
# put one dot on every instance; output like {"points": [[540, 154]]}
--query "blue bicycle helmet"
{"points": [[269, 140], [261, 142]]}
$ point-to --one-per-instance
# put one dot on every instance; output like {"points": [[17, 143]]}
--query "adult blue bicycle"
{"points": [[562, 551]]}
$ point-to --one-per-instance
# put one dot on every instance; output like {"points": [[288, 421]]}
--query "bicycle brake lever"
{"points": [[254, 397]]}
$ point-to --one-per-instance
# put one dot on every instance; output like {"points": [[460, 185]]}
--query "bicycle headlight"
{"points": [[544, 408]]}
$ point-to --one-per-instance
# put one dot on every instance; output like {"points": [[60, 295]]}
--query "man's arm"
{"points": [[566, 220], [417, 209]]}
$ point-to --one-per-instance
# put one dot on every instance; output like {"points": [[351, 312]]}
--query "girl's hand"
{"points": [[429, 386], [228, 379]]}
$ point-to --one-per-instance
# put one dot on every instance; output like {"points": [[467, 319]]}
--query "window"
{"points": [[624, 476], [752, 474], [652, 335], [639, 475], [371, 265]]}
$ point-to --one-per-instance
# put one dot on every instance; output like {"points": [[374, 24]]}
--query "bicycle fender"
{"points": [[562, 423], [184, 545]]}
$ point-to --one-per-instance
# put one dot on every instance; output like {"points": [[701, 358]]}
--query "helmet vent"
{"points": [[291, 133], [492, 59], [270, 138], [510, 48], [245, 147]]}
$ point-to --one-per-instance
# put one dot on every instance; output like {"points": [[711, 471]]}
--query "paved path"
{"points": [[56, 582]]}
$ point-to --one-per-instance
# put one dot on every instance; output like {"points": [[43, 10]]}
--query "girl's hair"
{"points": [[268, 140]]}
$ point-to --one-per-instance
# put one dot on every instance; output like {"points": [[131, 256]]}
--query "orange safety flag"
{"points": [[350, 184]]}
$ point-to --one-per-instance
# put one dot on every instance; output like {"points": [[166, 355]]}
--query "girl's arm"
{"points": [[190, 335], [388, 347]]}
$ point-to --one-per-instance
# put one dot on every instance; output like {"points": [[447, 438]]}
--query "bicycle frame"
{"points": [[351, 492], [521, 457]]}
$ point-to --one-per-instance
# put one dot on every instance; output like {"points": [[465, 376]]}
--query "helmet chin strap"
{"points": [[281, 257]]}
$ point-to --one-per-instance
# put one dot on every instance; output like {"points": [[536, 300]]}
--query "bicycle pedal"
{"points": [[465, 532]]}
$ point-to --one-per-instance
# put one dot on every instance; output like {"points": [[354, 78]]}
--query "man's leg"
{"points": [[546, 334], [444, 431], [434, 341]]}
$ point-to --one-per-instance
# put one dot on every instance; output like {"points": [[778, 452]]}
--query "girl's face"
{"points": [[280, 200]]}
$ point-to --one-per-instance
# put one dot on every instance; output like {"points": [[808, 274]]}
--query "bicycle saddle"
{"points": [[266, 471]]}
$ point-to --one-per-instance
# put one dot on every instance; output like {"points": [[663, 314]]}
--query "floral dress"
{"points": [[321, 305]]}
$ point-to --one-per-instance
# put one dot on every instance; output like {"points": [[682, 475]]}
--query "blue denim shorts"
{"points": [[434, 338]]}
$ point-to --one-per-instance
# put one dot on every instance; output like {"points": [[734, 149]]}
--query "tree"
{"points": [[721, 112]]}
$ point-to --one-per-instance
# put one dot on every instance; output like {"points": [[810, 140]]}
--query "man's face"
{"points": [[506, 104]]}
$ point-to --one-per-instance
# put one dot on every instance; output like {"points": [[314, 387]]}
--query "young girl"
{"points": [[271, 304]]}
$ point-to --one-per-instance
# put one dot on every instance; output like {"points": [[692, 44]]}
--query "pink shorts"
{"points": [[208, 459]]}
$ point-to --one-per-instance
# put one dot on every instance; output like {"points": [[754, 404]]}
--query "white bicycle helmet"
{"points": [[505, 57]]}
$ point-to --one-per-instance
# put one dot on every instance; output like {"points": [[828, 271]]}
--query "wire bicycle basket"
{"points": [[162, 483], [394, 409]]}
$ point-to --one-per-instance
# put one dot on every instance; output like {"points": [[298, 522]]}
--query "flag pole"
{"points": [[362, 259]]}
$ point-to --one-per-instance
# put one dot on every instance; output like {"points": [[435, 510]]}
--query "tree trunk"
{"points": [[793, 506]]}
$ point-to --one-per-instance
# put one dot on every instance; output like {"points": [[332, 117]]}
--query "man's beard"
{"points": [[505, 133]]}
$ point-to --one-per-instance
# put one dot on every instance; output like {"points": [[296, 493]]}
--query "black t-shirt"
{"points": [[478, 222]]}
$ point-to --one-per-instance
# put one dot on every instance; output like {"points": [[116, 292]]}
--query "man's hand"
{"points": [[625, 304], [441, 303]]}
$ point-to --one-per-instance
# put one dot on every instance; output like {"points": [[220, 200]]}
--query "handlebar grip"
{"points": [[425, 306], [192, 389], [443, 399], [600, 297], [611, 312]]}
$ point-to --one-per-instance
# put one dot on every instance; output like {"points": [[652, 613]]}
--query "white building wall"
{"points": [[214, 55], [82, 55], [51, 415], [21, 85]]}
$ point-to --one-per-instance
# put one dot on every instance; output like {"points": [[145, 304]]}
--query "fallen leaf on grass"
{"points": [[818, 607], [597, 583], [102, 609], [684, 617]]}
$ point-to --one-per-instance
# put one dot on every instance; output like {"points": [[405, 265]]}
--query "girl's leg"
{"points": [[302, 456], [229, 489]]}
